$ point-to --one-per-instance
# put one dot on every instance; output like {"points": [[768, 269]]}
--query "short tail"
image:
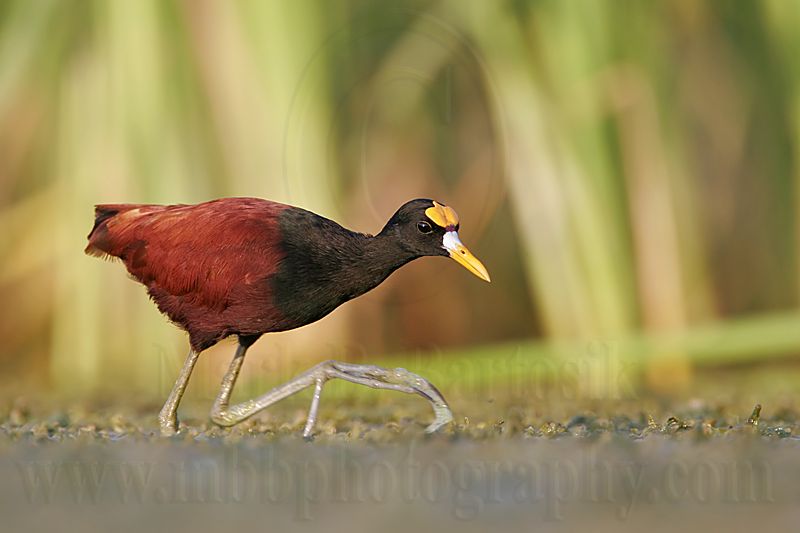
{"points": [[99, 245]]}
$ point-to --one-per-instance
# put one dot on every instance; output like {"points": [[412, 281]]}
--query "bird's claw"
{"points": [[423, 387], [168, 429], [168, 423], [443, 416], [404, 380], [441, 411]]}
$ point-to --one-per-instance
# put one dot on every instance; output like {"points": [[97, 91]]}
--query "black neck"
{"points": [[325, 268], [382, 255]]}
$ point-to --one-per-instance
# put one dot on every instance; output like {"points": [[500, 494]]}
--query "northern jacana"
{"points": [[247, 266]]}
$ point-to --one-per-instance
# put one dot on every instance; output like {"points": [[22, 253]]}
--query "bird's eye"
{"points": [[424, 227]]}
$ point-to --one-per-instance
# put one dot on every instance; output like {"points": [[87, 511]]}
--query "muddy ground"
{"points": [[597, 465]]}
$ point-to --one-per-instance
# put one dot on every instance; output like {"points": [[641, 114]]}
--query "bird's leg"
{"points": [[220, 412], [312, 411], [397, 379], [168, 417], [402, 380]]}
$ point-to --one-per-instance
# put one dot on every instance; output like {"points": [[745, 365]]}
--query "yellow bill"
{"points": [[462, 256]]}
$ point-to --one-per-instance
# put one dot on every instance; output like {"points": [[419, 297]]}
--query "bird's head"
{"points": [[426, 227]]}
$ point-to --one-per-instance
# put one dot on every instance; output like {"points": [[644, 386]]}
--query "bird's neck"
{"points": [[382, 255], [325, 265]]}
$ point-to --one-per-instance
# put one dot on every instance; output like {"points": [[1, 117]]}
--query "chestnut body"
{"points": [[246, 266], [242, 266]]}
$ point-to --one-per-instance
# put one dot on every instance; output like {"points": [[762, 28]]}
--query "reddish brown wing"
{"points": [[205, 265]]}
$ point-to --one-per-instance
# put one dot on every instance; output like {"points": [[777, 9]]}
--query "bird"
{"points": [[246, 267]]}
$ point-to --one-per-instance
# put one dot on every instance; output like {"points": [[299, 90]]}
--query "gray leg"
{"points": [[312, 411], [397, 379], [168, 417]]}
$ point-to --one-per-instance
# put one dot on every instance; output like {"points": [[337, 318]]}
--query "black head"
{"points": [[425, 227]]}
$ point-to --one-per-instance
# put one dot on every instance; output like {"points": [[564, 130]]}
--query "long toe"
{"points": [[169, 427], [443, 416]]}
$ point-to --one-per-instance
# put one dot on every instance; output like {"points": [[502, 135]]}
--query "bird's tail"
{"points": [[99, 243]]}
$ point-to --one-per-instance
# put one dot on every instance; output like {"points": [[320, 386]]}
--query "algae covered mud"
{"points": [[693, 466]]}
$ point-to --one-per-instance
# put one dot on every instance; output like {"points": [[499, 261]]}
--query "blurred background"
{"points": [[627, 171]]}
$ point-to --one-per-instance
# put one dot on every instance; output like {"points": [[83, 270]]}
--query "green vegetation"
{"points": [[627, 170]]}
